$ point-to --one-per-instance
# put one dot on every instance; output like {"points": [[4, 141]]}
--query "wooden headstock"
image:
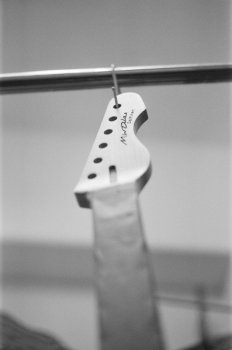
{"points": [[117, 156]]}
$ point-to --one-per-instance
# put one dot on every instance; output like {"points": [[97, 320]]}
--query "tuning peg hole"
{"points": [[92, 176], [108, 131], [117, 106], [112, 119], [103, 145], [97, 160]]}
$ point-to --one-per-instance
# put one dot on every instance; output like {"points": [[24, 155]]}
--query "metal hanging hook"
{"points": [[115, 87]]}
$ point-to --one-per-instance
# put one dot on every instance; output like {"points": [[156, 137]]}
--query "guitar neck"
{"points": [[128, 315], [117, 168]]}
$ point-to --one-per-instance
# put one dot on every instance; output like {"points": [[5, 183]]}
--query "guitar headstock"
{"points": [[117, 156]]}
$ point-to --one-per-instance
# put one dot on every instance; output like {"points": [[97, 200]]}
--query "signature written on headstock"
{"points": [[125, 120]]}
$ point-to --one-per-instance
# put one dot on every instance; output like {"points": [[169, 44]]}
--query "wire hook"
{"points": [[115, 87]]}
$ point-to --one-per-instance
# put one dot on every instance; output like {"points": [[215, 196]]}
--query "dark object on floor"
{"points": [[218, 343], [15, 336]]}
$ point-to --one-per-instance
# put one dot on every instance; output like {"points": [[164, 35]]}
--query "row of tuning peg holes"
{"points": [[102, 145]]}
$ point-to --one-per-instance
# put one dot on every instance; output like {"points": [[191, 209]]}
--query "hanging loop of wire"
{"points": [[115, 87]]}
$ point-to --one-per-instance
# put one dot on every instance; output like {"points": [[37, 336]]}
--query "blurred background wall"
{"points": [[46, 138]]}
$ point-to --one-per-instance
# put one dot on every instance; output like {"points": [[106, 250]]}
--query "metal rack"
{"points": [[93, 78]]}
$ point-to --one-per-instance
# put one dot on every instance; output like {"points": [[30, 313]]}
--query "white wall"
{"points": [[47, 137]]}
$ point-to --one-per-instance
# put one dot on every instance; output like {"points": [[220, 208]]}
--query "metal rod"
{"points": [[74, 79], [193, 303]]}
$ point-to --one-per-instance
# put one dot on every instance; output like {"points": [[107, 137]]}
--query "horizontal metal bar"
{"points": [[194, 303], [75, 79]]}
